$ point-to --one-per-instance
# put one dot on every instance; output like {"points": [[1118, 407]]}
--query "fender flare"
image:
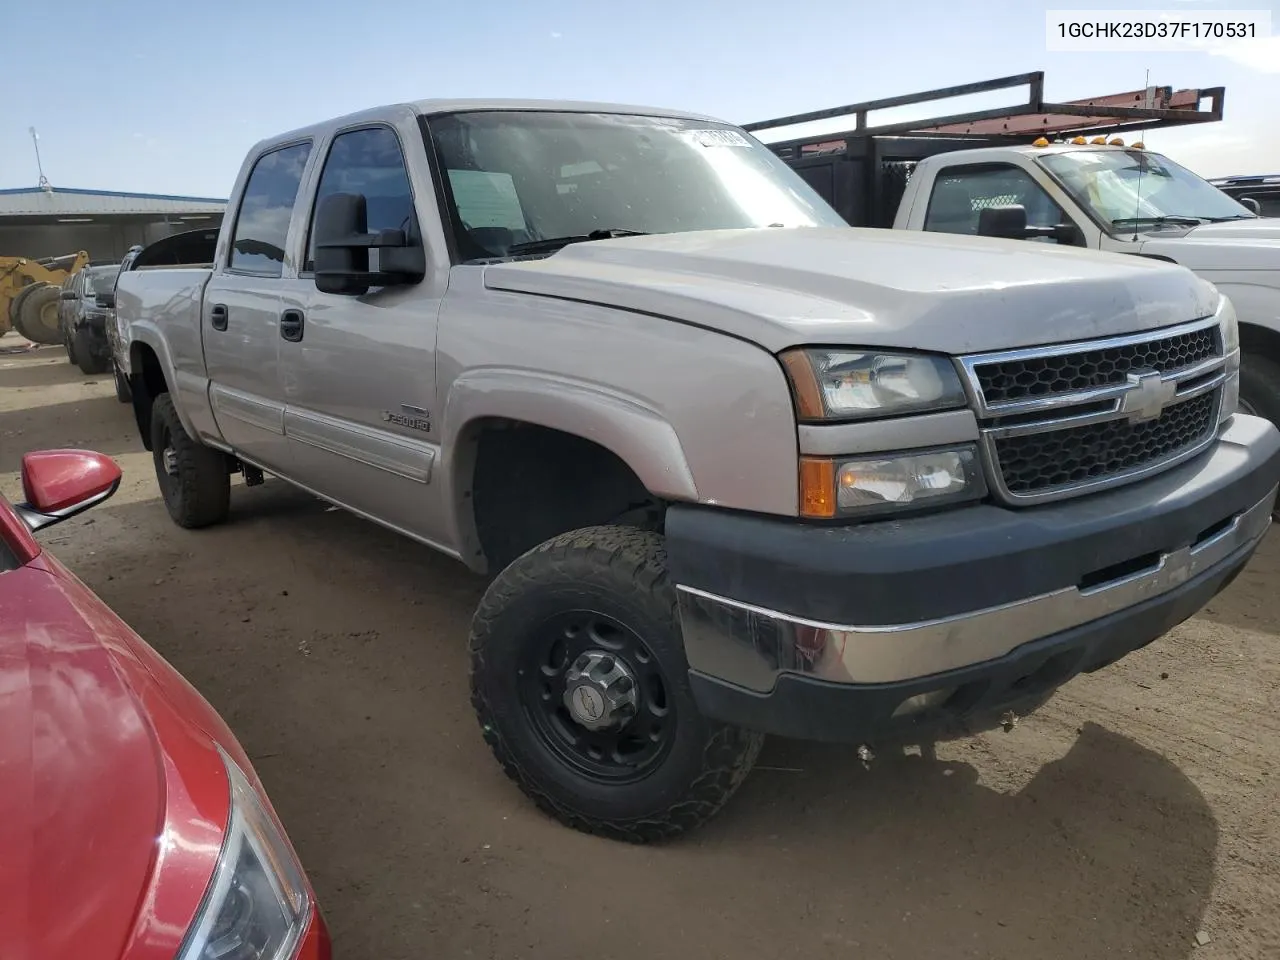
{"points": [[635, 432], [146, 334]]}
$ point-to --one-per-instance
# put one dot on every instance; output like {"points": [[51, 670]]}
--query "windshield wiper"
{"points": [[552, 244], [1145, 221], [1234, 216]]}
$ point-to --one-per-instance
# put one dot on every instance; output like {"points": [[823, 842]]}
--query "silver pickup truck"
{"points": [[733, 467]]}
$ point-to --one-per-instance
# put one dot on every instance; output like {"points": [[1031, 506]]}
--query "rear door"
{"points": [[359, 372], [240, 322]]}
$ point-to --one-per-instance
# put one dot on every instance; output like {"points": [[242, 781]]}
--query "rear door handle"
{"points": [[218, 316], [291, 323]]}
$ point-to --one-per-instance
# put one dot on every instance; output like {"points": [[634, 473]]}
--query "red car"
{"points": [[132, 825]]}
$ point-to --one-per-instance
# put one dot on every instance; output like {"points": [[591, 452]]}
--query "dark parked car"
{"points": [[83, 320], [1263, 190]]}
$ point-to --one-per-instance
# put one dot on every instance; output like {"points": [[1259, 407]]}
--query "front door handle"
{"points": [[218, 316], [291, 322]]}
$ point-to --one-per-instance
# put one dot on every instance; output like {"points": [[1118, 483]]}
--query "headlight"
{"points": [[874, 485], [257, 906], [852, 385]]}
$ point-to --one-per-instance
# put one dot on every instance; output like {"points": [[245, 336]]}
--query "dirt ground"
{"points": [[1138, 809]]}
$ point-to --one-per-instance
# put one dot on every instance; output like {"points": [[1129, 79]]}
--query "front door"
{"points": [[359, 372], [243, 304]]}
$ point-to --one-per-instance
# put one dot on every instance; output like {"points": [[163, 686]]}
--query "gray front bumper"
{"points": [[924, 596]]}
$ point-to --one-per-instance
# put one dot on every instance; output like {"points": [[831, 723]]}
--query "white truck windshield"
{"points": [[1130, 189], [521, 181]]}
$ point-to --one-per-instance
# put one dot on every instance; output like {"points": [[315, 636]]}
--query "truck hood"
{"points": [[1231, 245], [879, 288], [83, 786]]}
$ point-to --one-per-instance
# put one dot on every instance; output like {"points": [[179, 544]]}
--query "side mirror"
{"points": [[107, 300], [1251, 205], [1009, 222], [59, 484], [343, 244], [69, 295]]}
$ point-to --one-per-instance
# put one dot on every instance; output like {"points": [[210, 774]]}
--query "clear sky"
{"points": [[166, 97]]}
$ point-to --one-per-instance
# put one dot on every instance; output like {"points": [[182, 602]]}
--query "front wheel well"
{"points": [[145, 383], [531, 483]]}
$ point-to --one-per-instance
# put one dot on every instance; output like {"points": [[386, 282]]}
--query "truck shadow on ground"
{"points": [[336, 651], [45, 367], [95, 422]]}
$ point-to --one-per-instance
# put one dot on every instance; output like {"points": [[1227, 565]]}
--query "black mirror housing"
{"points": [[1251, 205], [1008, 222], [343, 244], [69, 295], [107, 300]]}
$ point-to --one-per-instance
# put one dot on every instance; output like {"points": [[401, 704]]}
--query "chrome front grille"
{"points": [[1041, 376], [1069, 419]]}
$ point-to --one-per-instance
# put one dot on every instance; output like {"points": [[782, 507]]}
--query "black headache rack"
{"points": [[863, 172]]}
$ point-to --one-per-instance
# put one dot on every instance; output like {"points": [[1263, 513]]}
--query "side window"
{"points": [[368, 162], [263, 220], [960, 194]]}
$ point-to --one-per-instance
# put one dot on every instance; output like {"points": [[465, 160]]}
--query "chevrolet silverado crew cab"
{"points": [[1063, 174], [734, 467]]}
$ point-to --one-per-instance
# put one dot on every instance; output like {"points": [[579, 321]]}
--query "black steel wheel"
{"points": [[597, 696], [581, 686], [194, 480]]}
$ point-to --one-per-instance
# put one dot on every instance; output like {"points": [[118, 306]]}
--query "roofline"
{"points": [[31, 191], [437, 106]]}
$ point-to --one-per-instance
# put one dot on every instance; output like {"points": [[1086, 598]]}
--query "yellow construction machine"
{"points": [[30, 293]]}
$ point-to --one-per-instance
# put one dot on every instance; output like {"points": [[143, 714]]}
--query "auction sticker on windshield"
{"points": [[720, 138]]}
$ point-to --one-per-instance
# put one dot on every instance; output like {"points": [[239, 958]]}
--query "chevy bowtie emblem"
{"points": [[1147, 397]]}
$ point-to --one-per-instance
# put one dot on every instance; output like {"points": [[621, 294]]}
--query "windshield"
{"points": [[99, 279], [1132, 188], [517, 178]]}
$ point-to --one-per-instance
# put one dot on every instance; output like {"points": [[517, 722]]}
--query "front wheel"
{"points": [[87, 358], [194, 479], [580, 683], [1260, 387]]}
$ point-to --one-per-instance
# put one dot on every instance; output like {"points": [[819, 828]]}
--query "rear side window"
{"points": [[368, 162], [262, 223], [962, 193]]}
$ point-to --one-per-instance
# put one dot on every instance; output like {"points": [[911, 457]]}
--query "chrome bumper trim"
{"points": [[750, 646]]}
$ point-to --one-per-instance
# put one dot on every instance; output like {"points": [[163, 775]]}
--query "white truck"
{"points": [[1059, 173], [733, 467]]}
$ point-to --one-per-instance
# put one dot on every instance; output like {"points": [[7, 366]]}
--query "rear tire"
{"points": [[194, 479], [664, 768], [38, 315], [87, 360]]}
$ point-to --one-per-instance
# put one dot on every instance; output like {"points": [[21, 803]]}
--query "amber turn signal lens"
{"points": [[817, 488], [804, 385]]}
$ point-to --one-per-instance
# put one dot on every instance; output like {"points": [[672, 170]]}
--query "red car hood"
{"points": [[114, 799], [83, 786]]}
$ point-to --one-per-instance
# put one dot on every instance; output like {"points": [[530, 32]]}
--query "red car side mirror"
{"points": [[62, 483]]}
